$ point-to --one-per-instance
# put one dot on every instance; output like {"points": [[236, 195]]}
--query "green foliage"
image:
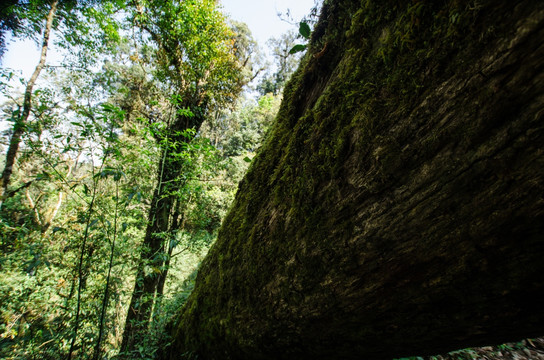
{"points": [[79, 23], [126, 108], [193, 44], [297, 48], [285, 64], [304, 31], [240, 132], [65, 168]]}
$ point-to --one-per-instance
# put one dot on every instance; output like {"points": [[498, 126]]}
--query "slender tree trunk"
{"points": [[82, 273], [83, 263], [21, 122], [105, 299]]}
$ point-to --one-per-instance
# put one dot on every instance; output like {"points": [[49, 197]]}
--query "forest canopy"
{"points": [[119, 164]]}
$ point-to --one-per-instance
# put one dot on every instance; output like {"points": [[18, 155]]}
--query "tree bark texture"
{"points": [[20, 124], [397, 206]]}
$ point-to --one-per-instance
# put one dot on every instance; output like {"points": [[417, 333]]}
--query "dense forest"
{"points": [[119, 165], [372, 190]]}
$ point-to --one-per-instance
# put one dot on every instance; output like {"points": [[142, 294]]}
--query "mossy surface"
{"points": [[405, 158]]}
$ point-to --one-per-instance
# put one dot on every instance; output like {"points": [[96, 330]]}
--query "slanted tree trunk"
{"points": [[21, 122], [397, 206]]}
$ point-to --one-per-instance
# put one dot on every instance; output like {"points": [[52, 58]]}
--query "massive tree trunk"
{"points": [[396, 207]]}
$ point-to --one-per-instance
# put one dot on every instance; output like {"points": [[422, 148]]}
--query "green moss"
{"points": [[380, 58]]}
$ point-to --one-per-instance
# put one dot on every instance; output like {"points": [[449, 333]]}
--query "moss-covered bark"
{"points": [[397, 206]]}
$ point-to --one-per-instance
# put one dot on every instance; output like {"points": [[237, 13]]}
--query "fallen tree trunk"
{"points": [[396, 207]]}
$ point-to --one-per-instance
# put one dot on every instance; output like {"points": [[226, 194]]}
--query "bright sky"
{"points": [[260, 15]]}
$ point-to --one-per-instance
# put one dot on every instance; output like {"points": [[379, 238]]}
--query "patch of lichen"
{"points": [[379, 58]]}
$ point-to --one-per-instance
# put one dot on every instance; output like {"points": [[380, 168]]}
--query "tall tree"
{"points": [[24, 21], [396, 207], [21, 121], [197, 58], [285, 63]]}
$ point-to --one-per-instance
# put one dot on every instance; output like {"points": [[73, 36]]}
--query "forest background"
{"points": [[119, 164]]}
